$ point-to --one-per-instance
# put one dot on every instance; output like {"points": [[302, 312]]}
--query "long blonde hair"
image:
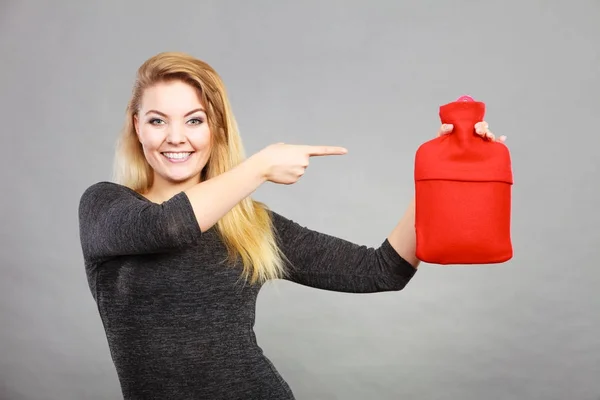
{"points": [[247, 230]]}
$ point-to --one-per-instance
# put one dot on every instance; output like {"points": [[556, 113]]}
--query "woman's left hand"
{"points": [[481, 128]]}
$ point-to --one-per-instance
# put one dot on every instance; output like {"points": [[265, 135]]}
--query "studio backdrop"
{"points": [[366, 75]]}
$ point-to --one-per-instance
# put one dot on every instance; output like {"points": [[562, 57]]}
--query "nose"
{"points": [[175, 134]]}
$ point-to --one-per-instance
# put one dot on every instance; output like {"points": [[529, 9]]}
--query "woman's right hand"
{"points": [[286, 163]]}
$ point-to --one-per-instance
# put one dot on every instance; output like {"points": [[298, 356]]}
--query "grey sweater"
{"points": [[179, 323]]}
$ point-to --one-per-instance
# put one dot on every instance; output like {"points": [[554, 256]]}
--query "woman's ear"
{"points": [[136, 125]]}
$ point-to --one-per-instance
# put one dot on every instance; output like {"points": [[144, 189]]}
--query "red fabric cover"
{"points": [[463, 186]]}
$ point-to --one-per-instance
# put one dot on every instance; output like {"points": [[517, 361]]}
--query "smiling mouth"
{"points": [[177, 156]]}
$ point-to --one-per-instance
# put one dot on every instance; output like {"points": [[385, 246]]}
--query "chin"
{"points": [[178, 179], [177, 173]]}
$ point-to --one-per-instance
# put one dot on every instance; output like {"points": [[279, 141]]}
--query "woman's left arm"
{"points": [[326, 262]]}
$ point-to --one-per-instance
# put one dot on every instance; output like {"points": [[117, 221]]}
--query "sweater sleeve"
{"points": [[116, 221], [326, 262]]}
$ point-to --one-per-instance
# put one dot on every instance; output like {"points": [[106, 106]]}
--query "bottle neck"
{"points": [[463, 115]]}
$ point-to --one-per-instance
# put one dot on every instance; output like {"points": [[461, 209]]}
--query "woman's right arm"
{"points": [[114, 221], [278, 163], [215, 197]]}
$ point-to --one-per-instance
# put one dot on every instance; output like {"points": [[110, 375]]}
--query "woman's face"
{"points": [[172, 127]]}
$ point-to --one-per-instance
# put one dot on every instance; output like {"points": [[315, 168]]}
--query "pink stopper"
{"points": [[465, 98]]}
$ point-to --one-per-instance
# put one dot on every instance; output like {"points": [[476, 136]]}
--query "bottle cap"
{"points": [[465, 98]]}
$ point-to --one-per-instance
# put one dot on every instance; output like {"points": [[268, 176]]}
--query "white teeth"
{"points": [[177, 156]]}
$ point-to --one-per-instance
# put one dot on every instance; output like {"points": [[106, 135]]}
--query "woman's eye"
{"points": [[196, 121], [155, 121]]}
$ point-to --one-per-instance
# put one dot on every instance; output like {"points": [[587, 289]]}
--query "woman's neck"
{"points": [[162, 190]]}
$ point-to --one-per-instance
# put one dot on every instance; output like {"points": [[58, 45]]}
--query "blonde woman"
{"points": [[176, 250]]}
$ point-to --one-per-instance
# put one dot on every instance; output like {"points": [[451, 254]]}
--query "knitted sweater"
{"points": [[178, 320]]}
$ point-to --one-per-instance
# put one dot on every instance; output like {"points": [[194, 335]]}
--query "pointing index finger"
{"points": [[325, 150]]}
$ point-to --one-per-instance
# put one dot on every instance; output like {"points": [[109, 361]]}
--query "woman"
{"points": [[176, 250]]}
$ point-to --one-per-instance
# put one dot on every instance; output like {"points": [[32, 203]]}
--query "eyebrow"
{"points": [[186, 115]]}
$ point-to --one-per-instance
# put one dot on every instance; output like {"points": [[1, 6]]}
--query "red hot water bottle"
{"points": [[463, 186]]}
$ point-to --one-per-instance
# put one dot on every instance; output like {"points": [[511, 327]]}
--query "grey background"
{"points": [[366, 75]]}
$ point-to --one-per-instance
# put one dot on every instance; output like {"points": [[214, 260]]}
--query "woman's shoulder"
{"points": [[105, 190], [105, 187]]}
